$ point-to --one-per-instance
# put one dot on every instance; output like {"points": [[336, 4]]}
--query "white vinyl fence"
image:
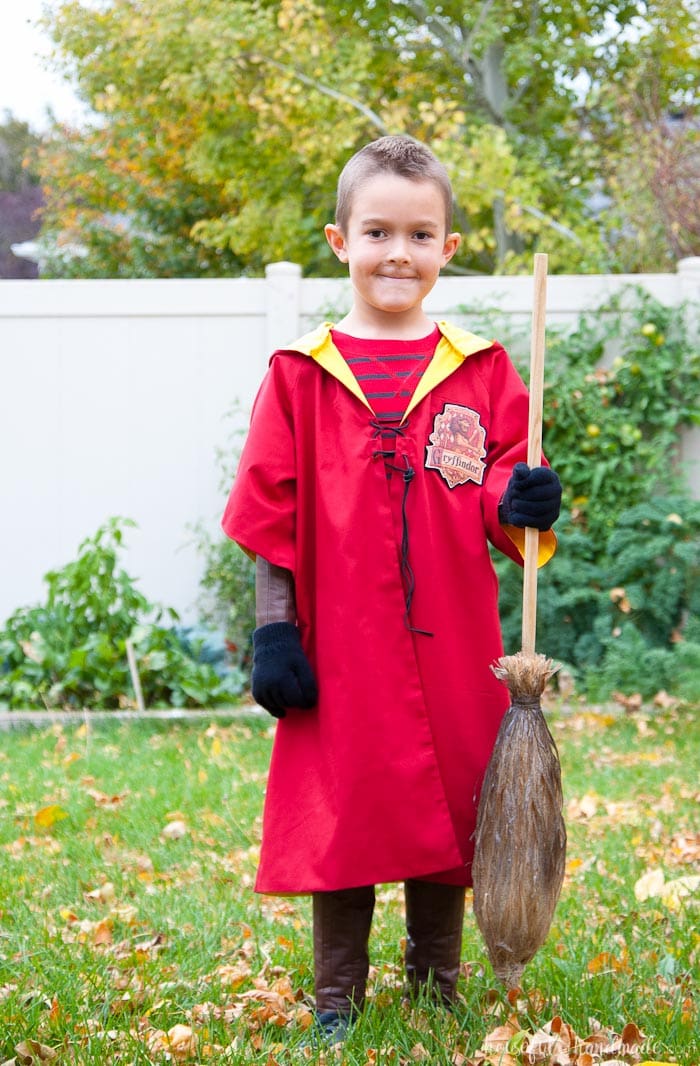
{"points": [[116, 398]]}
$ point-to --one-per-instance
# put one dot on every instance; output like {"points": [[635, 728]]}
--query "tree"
{"points": [[20, 196], [221, 125]]}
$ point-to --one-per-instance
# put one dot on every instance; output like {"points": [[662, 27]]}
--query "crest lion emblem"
{"points": [[456, 448]]}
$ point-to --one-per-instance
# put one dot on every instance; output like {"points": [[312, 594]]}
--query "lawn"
{"points": [[129, 931]]}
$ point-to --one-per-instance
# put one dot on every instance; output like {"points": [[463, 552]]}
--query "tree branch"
{"points": [[325, 90], [551, 222], [443, 31], [460, 54]]}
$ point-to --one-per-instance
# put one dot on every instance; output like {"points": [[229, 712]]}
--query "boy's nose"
{"points": [[399, 251]]}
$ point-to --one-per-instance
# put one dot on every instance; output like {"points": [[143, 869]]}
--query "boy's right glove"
{"points": [[282, 676], [532, 497]]}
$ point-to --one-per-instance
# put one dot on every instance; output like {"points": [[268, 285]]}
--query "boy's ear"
{"points": [[336, 240], [452, 243]]}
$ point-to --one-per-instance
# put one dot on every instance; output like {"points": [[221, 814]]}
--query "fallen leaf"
{"points": [[498, 1039], [104, 894], [181, 1042], [585, 807], [601, 963], [631, 703], [631, 1036], [649, 884], [654, 885], [174, 830], [48, 816], [104, 799], [31, 1052]]}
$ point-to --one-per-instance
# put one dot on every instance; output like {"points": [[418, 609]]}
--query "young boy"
{"points": [[383, 454]]}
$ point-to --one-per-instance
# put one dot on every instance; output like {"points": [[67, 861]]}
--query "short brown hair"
{"points": [[394, 155]]}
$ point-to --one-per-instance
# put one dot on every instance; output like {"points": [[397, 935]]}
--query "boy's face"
{"points": [[395, 244]]}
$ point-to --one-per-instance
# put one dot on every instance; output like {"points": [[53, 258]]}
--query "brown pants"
{"points": [[341, 926]]}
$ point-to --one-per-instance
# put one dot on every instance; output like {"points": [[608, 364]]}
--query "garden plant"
{"points": [[71, 651]]}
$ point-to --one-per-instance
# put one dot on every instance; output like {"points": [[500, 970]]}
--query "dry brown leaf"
{"points": [[631, 703], [619, 597], [105, 893], [181, 1042], [631, 1036], [583, 808], [498, 1058], [30, 1052], [607, 961], [103, 933], [104, 799], [499, 1038], [174, 830]]}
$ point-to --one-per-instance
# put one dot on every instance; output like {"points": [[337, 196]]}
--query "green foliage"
{"points": [[222, 124], [619, 603], [228, 601], [18, 146], [71, 650], [619, 389], [228, 579], [624, 617]]}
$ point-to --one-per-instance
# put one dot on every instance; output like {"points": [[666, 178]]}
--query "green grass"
{"points": [[112, 933]]}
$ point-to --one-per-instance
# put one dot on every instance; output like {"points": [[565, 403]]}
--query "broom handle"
{"points": [[534, 448]]}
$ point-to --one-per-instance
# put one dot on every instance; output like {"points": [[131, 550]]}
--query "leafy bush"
{"points": [[228, 600], [626, 617], [71, 651], [619, 389]]}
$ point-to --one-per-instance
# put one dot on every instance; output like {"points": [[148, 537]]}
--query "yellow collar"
{"points": [[455, 345]]}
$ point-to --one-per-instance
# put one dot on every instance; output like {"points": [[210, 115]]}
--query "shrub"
{"points": [[71, 650], [228, 594], [227, 601], [619, 389]]}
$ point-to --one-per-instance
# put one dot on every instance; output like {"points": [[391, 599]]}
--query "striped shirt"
{"points": [[387, 370]]}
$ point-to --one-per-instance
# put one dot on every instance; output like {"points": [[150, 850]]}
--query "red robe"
{"points": [[380, 781]]}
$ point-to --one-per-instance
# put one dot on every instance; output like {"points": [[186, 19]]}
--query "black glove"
{"points": [[532, 497], [282, 676]]}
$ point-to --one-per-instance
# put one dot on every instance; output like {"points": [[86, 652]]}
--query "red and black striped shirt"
{"points": [[387, 370]]}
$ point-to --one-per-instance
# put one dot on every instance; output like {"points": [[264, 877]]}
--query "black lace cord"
{"points": [[384, 430], [407, 473]]}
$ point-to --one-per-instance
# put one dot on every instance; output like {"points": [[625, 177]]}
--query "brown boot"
{"points": [[341, 923], [434, 918]]}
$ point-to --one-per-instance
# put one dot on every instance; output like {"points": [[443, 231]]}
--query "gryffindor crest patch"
{"points": [[456, 446]]}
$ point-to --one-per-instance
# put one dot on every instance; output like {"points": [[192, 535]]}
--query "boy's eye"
{"points": [[421, 235], [375, 233]]}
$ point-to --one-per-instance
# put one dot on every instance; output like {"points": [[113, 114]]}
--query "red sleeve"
{"points": [[508, 446], [261, 511]]}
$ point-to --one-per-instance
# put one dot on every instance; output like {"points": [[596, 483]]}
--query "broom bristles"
{"points": [[525, 675], [520, 840]]}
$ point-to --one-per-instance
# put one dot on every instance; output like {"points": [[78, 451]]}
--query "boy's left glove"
{"points": [[282, 675], [532, 498]]}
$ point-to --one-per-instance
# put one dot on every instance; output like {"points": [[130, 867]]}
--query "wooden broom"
{"points": [[520, 840]]}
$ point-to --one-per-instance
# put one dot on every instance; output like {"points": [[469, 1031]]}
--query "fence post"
{"points": [[282, 304], [688, 271]]}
